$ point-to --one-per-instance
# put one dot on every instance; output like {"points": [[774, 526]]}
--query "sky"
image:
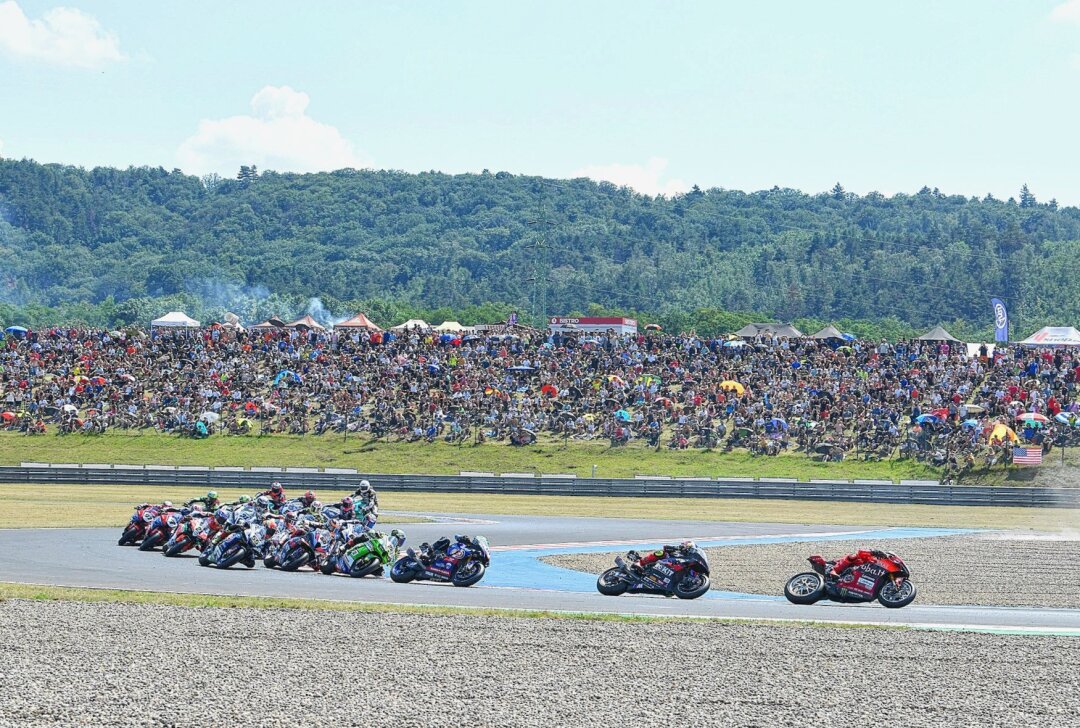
{"points": [[969, 96]]}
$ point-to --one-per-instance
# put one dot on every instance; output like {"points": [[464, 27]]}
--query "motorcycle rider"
{"points": [[276, 493], [430, 551], [209, 501], [640, 562], [368, 503], [860, 557], [347, 507]]}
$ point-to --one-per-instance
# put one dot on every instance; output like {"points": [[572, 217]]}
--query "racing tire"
{"points": [[400, 572], [327, 568], [232, 557], [249, 562], [204, 559], [692, 590], [170, 550], [364, 568], [805, 588], [269, 562], [150, 543], [295, 559], [474, 572], [892, 598], [610, 586], [127, 538]]}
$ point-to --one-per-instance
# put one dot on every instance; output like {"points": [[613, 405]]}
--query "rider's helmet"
{"points": [[244, 498], [275, 487], [316, 505], [397, 537], [308, 498], [364, 490], [166, 504], [221, 516], [687, 545], [211, 495], [346, 504]]}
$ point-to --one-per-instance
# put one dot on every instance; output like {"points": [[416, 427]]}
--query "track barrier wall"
{"points": [[920, 492]]}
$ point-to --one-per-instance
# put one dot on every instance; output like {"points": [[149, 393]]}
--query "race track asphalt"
{"points": [[517, 578]]}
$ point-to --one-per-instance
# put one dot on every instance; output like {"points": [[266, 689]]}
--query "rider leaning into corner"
{"points": [[276, 494], [858, 558], [428, 552], [640, 563], [209, 501]]}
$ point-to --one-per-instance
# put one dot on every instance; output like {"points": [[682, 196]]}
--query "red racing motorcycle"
{"points": [[884, 577]]}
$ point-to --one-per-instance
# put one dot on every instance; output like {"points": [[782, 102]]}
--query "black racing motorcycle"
{"points": [[683, 574]]}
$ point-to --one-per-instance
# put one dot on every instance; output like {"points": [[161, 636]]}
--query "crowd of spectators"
{"points": [[827, 399]]}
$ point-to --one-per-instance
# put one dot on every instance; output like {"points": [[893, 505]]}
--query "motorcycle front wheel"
{"points": [[294, 559], [692, 586], [128, 537], [610, 584], [150, 542], [401, 572], [362, 568], [805, 588], [174, 549], [232, 557], [895, 597], [468, 573]]}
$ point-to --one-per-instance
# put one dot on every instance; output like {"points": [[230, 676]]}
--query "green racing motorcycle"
{"points": [[363, 556]]}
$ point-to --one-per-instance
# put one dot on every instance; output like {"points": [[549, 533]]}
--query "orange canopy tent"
{"points": [[359, 321]]}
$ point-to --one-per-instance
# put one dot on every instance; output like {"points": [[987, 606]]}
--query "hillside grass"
{"points": [[52, 505], [438, 458]]}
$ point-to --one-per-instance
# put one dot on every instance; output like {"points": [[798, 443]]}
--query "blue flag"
{"points": [[1001, 321]]}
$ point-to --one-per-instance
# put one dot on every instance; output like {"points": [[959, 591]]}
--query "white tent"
{"points": [[1053, 336], [412, 324], [175, 320], [450, 326]]}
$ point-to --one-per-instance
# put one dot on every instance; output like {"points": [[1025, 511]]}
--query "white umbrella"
{"points": [[70, 408], [210, 417]]}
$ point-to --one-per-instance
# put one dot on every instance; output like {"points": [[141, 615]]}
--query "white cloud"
{"points": [[278, 136], [1067, 12], [646, 178], [62, 37]]}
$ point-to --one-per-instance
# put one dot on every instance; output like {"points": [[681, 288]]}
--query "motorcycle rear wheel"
{"points": [[400, 572], [690, 588], [609, 584], [150, 542], [128, 537], [204, 558], [805, 588], [893, 598], [170, 550]]}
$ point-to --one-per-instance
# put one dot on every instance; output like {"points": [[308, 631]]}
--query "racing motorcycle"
{"points": [[885, 578], [463, 563], [191, 532], [684, 574], [238, 546], [365, 557], [302, 546], [160, 529], [136, 527]]}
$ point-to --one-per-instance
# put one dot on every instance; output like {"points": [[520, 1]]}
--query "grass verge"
{"points": [[437, 458], [43, 506], [34, 592]]}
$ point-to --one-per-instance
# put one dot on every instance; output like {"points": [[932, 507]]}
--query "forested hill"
{"points": [[430, 240]]}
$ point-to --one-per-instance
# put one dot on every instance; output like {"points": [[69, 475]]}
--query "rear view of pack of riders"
{"points": [[341, 538], [290, 534]]}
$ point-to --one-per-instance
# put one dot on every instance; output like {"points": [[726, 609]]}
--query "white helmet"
{"points": [[365, 487]]}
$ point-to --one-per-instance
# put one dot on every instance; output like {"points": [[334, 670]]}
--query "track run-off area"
{"points": [[518, 579]]}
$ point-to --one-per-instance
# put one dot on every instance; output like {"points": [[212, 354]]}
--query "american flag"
{"points": [[1027, 456]]}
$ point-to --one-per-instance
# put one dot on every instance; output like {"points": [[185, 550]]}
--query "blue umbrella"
{"points": [[923, 419], [18, 331], [622, 415], [776, 424], [972, 424], [287, 373]]}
